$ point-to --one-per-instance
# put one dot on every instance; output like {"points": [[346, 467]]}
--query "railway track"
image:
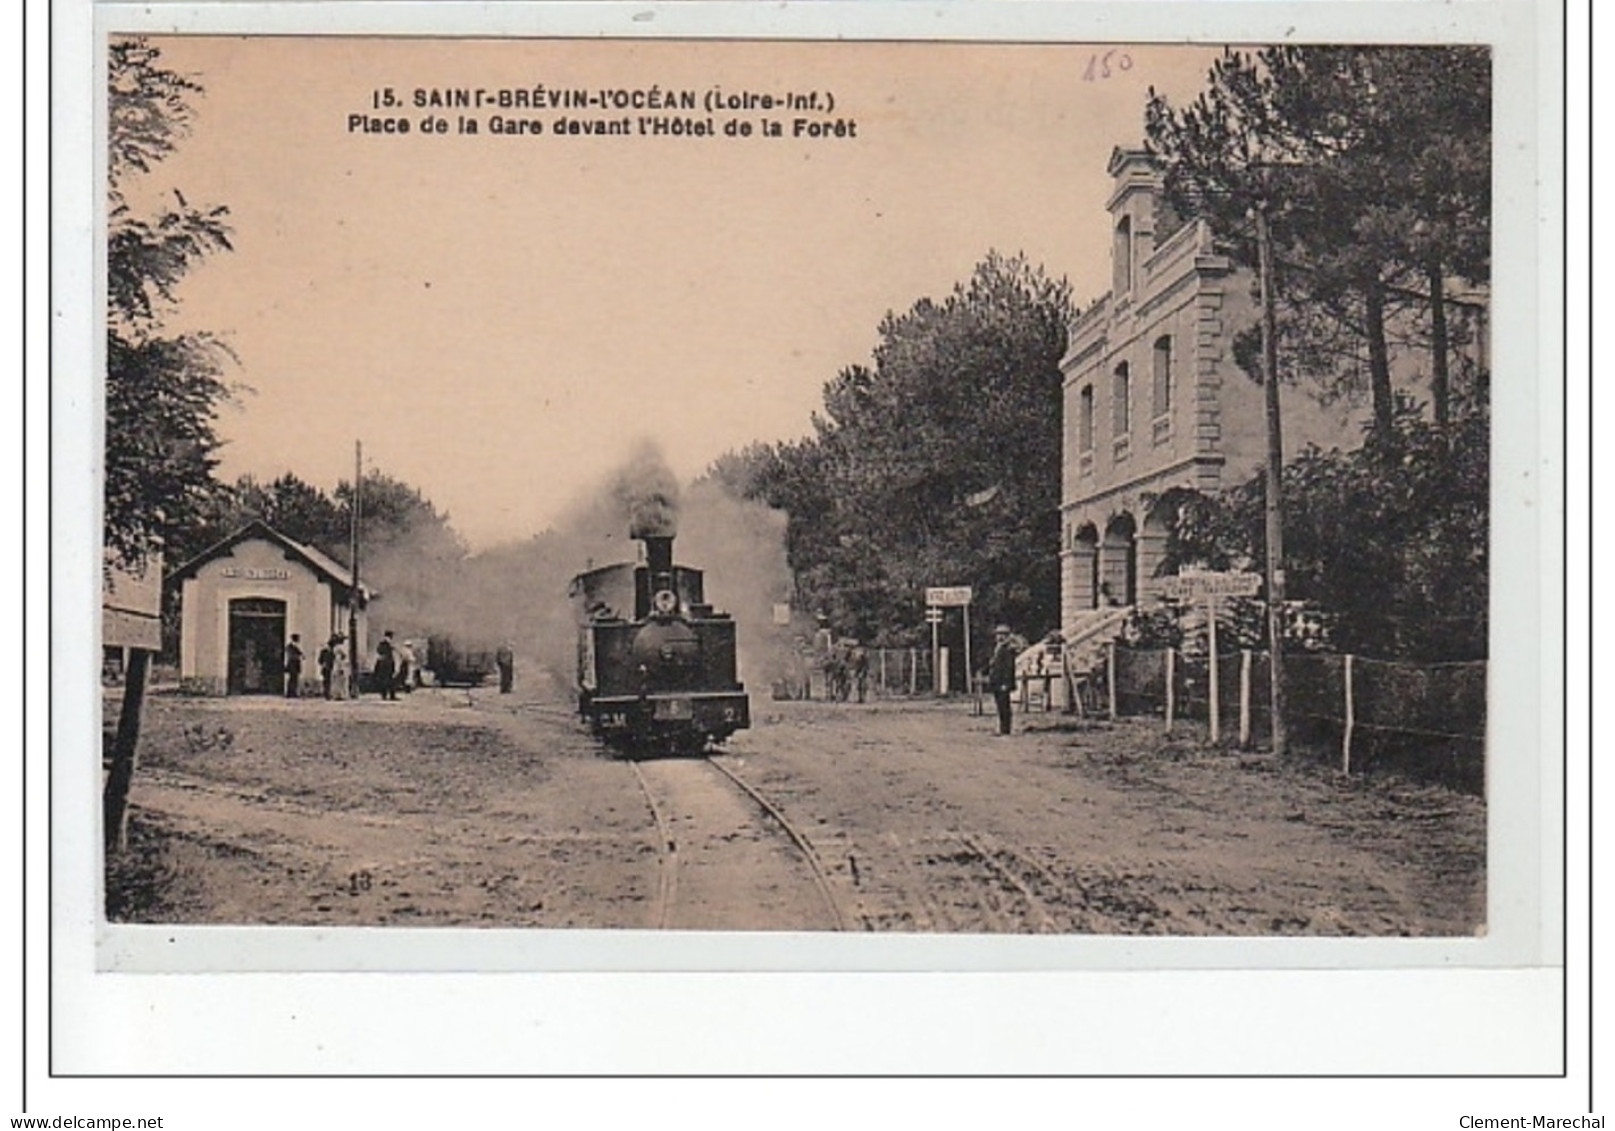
{"points": [[820, 876], [710, 821], [667, 850]]}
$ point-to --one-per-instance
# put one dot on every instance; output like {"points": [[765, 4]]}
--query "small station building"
{"points": [[241, 600]]}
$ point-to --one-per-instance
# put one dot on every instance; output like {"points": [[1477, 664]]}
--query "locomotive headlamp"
{"points": [[666, 602]]}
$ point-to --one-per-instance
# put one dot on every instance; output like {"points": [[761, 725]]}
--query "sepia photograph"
{"points": [[911, 488]]}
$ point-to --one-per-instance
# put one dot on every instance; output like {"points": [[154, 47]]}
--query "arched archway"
{"points": [[1080, 584], [1151, 546], [1118, 562]]}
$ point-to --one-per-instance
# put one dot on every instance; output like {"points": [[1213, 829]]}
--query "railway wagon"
{"points": [[656, 663], [454, 666]]}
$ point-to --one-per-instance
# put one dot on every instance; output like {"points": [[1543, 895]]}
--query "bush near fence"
{"points": [[1424, 720]]}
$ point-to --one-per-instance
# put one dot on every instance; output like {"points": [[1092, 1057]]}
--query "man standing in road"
{"points": [[386, 669], [1001, 674], [327, 660], [506, 661], [293, 665]]}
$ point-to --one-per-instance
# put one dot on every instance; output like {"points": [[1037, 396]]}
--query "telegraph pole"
{"points": [[353, 592], [1274, 481]]}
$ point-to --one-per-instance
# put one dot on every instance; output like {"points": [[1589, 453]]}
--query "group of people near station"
{"points": [[396, 667]]}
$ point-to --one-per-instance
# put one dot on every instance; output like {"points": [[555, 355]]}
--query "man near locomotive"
{"points": [[1001, 674], [385, 667]]}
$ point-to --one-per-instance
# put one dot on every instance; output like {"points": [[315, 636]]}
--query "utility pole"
{"points": [[1274, 481], [353, 592]]}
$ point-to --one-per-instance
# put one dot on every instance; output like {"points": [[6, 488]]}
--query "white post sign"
{"points": [[942, 597], [1207, 586]]}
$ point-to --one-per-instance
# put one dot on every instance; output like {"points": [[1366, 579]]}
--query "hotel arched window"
{"points": [[1163, 375], [1122, 257]]}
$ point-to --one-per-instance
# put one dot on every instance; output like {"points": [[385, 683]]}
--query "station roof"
{"points": [[325, 567]]}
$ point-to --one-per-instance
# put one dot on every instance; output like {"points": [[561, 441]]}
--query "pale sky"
{"points": [[501, 318]]}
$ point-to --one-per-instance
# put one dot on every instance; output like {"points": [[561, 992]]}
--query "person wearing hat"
{"points": [[1001, 674], [293, 666], [386, 668], [327, 660]]}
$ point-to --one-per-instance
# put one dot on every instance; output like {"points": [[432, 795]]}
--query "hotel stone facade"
{"points": [[1153, 399]]}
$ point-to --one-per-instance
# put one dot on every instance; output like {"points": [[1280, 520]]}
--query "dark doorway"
{"points": [[257, 646]]}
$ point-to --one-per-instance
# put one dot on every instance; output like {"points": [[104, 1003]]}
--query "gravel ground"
{"points": [[468, 809]]}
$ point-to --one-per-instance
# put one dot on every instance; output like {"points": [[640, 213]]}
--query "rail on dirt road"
{"points": [[805, 846]]}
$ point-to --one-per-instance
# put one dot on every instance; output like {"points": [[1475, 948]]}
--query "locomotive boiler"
{"points": [[656, 663]]}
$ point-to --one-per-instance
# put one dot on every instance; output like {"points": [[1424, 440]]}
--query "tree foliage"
{"points": [[393, 516], [162, 389], [1409, 580], [937, 464], [1373, 166]]}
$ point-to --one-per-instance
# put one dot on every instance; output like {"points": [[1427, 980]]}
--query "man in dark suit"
{"points": [[294, 665], [1001, 674], [386, 670]]}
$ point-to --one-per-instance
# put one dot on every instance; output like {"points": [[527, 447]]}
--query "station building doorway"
{"points": [[257, 646]]}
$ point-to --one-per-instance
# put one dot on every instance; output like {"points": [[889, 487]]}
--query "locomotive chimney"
{"points": [[659, 554]]}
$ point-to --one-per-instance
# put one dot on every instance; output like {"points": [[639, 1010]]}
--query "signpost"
{"points": [[1207, 586], [942, 597], [131, 619]]}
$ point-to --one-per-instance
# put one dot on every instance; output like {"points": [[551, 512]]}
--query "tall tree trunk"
{"points": [[1273, 515], [115, 794], [1440, 391], [1379, 358]]}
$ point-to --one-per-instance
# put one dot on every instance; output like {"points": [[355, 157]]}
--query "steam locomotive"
{"points": [[656, 664]]}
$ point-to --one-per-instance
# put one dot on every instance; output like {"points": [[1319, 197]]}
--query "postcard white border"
{"points": [[1415, 980]]}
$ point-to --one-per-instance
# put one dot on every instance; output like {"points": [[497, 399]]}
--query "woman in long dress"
{"points": [[339, 672]]}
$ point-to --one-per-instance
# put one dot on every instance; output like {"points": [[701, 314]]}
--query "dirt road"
{"points": [[458, 808]]}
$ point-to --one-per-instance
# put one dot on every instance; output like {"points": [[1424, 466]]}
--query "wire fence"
{"points": [[887, 673], [1426, 720]]}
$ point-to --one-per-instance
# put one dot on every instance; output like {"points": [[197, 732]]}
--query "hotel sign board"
{"points": [[1208, 586], [948, 596]]}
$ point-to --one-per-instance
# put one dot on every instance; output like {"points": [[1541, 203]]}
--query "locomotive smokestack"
{"points": [[659, 554]]}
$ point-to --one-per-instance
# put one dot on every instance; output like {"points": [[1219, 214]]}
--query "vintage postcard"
{"points": [[780, 501]]}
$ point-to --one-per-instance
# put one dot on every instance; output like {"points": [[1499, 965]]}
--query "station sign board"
{"points": [[132, 604], [947, 596], [1205, 585]]}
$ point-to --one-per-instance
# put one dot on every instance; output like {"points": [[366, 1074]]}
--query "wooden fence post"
{"points": [[1110, 676], [1351, 721], [1169, 690], [1244, 698], [125, 748], [1214, 691], [913, 671]]}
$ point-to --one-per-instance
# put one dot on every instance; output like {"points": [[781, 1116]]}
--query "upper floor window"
{"points": [[1121, 399], [1163, 375], [1121, 258], [1085, 419]]}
